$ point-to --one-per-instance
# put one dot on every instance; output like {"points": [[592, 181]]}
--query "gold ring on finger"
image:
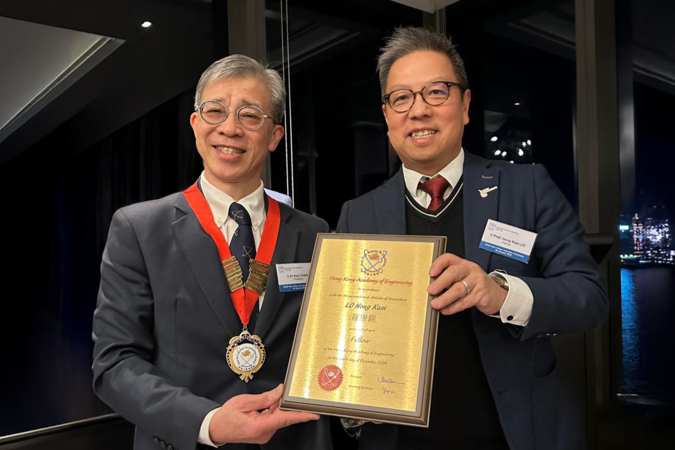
{"points": [[466, 285]]}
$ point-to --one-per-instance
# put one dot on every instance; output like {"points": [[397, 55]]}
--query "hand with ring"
{"points": [[465, 285]]}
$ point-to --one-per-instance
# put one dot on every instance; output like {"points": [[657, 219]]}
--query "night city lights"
{"points": [[646, 241]]}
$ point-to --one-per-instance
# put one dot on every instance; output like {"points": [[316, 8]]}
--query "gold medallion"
{"points": [[245, 355]]}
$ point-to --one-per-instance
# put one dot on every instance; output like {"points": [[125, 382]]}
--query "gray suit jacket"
{"points": [[534, 404], [165, 317]]}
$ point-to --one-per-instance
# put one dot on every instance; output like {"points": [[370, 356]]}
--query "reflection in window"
{"points": [[529, 79]]}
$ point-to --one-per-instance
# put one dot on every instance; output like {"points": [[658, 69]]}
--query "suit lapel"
{"points": [[478, 174], [202, 256], [390, 206], [285, 252]]}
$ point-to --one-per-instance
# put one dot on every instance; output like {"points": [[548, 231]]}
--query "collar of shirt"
{"points": [[452, 172], [220, 202]]}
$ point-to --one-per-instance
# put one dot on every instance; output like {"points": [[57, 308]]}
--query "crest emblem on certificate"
{"points": [[373, 261], [245, 355], [330, 377]]}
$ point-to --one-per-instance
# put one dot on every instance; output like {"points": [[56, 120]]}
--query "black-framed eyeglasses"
{"points": [[434, 94], [249, 116]]}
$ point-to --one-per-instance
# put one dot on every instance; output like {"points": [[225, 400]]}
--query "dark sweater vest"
{"points": [[463, 412]]}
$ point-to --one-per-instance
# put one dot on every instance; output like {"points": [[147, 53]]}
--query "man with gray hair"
{"points": [[517, 270], [194, 327]]}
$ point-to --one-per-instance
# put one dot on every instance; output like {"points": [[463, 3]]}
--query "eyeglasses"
{"points": [[249, 116], [434, 94]]}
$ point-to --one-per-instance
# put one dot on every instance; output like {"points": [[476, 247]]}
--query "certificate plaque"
{"points": [[366, 337]]}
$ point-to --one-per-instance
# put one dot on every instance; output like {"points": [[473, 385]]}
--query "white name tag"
{"points": [[292, 277], [507, 240]]}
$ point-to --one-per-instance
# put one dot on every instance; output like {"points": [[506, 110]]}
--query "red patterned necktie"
{"points": [[435, 187]]}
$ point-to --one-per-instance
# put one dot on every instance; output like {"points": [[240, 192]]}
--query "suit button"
{"points": [[156, 439], [169, 447], [163, 445], [509, 318]]}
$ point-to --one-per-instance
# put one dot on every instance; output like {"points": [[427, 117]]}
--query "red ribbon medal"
{"points": [[245, 352]]}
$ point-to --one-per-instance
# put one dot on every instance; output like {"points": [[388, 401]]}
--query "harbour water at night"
{"points": [[648, 310]]}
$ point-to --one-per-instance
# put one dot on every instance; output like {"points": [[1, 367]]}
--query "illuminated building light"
{"points": [[651, 240]]}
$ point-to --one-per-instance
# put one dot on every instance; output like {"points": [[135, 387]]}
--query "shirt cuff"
{"points": [[204, 437], [517, 308]]}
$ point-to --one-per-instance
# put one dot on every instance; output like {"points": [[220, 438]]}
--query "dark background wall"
{"points": [[60, 218]]}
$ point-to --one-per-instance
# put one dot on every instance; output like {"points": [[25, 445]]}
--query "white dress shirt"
{"points": [[452, 173], [220, 202], [517, 307]]}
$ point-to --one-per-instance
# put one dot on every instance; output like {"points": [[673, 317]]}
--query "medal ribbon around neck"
{"points": [[244, 297]]}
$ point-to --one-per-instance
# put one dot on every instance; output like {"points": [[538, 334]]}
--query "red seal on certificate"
{"points": [[330, 378]]}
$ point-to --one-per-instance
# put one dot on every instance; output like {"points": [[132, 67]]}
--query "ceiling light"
{"points": [[517, 103], [529, 142], [498, 152], [504, 154], [520, 152], [146, 24], [494, 139], [511, 161]]}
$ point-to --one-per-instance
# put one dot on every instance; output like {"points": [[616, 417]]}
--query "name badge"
{"points": [[507, 240], [292, 277]]}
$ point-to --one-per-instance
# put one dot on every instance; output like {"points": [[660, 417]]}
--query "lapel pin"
{"points": [[484, 192]]}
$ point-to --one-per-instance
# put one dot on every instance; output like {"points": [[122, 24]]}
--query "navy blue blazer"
{"points": [[534, 403], [165, 317]]}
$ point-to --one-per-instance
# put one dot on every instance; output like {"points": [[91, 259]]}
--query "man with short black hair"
{"points": [[496, 385]]}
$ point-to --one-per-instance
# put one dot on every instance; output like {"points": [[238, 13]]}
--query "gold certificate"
{"points": [[366, 337]]}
